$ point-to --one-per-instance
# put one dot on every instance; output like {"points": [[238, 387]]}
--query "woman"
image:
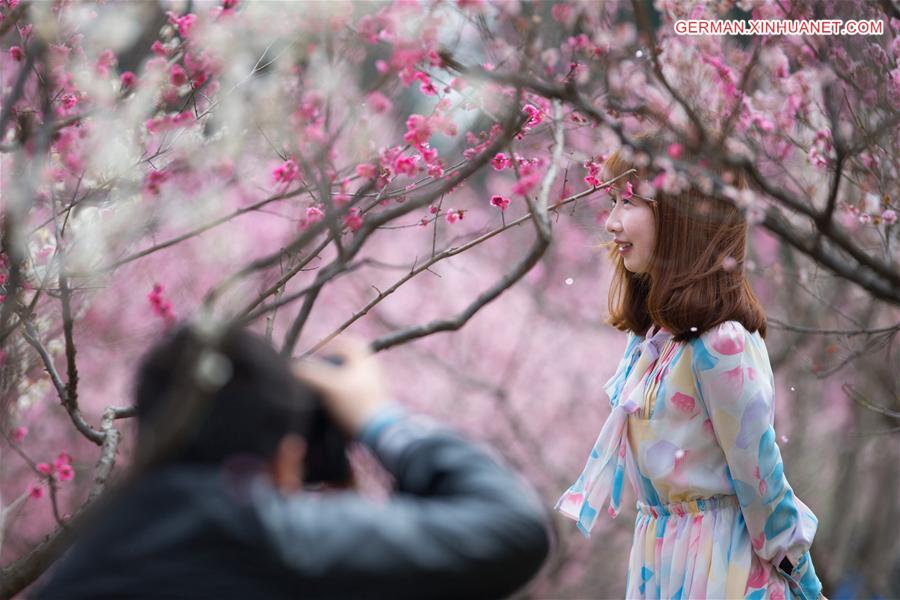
{"points": [[692, 410]]}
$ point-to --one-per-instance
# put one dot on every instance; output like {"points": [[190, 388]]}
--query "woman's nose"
{"points": [[613, 225]]}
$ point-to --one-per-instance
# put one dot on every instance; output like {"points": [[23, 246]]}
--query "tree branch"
{"points": [[20, 574], [511, 124], [543, 230], [884, 280], [869, 281], [447, 253], [32, 337], [845, 332], [861, 400], [190, 234]]}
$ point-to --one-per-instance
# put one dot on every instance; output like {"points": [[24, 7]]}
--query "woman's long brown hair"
{"points": [[695, 279]]}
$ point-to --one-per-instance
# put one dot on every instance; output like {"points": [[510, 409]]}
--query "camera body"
{"points": [[326, 461]]}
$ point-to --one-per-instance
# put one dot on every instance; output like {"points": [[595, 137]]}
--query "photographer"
{"points": [[229, 513]]}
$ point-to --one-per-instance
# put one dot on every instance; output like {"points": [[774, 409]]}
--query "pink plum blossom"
{"points": [[453, 216], [35, 491], [499, 201], [106, 59], [62, 459], [286, 172], [68, 101], [128, 79], [65, 472], [184, 23], [379, 103], [19, 434], [418, 130], [366, 170], [155, 178], [314, 214], [177, 75], [593, 177], [406, 165], [535, 116], [500, 161], [353, 221]]}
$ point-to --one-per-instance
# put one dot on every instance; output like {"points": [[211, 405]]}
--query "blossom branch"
{"points": [[643, 21], [542, 224], [890, 287], [21, 573], [450, 252], [879, 278], [19, 86], [370, 224]]}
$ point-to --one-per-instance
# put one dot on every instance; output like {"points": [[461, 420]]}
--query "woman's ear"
{"points": [[287, 464]]}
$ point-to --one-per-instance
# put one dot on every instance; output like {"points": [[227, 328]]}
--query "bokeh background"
{"points": [[152, 151]]}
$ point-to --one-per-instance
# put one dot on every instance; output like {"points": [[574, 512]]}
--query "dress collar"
{"points": [[654, 340]]}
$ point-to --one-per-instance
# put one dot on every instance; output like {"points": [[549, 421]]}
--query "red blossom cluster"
{"points": [[59, 470], [160, 305]]}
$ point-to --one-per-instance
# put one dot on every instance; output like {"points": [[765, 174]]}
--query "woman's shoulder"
{"points": [[726, 339], [726, 330]]}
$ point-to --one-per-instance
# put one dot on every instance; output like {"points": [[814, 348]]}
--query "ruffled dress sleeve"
{"points": [[603, 474], [735, 382]]}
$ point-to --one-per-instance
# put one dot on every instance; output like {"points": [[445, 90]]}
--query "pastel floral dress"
{"points": [[691, 428]]}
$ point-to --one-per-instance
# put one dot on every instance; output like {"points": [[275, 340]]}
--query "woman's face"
{"points": [[631, 222]]}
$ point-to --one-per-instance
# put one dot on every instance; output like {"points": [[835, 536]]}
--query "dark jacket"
{"points": [[459, 526]]}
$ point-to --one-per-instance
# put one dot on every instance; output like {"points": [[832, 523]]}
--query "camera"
{"points": [[326, 461]]}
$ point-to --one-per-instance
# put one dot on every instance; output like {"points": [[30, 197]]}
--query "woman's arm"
{"points": [[734, 380]]}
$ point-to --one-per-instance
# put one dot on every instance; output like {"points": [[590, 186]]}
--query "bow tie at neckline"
{"points": [[654, 341], [603, 475]]}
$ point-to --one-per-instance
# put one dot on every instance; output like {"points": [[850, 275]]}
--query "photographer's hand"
{"points": [[355, 391]]}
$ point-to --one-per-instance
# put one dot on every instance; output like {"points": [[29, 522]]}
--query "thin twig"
{"points": [[447, 253], [190, 234], [878, 277], [511, 124], [860, 399], [542, 225], [844, 332]]}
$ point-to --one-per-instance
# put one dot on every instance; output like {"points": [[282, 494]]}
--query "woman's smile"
{"points": [[632, 217], [624, 247]]}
